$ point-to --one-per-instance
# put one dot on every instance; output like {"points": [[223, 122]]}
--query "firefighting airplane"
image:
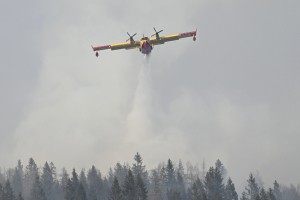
{"points": [[145, 44]]}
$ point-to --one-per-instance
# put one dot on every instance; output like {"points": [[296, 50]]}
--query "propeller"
{"points": [[156, 33], [130, 37]]}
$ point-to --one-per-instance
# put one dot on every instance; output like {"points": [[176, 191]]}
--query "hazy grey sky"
{"points": [[234, 94]]}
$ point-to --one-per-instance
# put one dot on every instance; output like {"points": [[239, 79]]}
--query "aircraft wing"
{"points": [[125, 45], [168, 38]]}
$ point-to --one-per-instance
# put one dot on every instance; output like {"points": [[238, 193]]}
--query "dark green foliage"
{"points": [[69, 190], [37, 192], [170, 172], [271, 194], [252, 190], [80, 193], [18, 176], [243, 197], [173, 194], [64, 179], [20, 197], [1, 192], [72, 187], [139, 168], [277, 191], [8, 193], [31, 172], [74, 190], [48, 181], [163, 176], [214, 185], [83, 180], [263, 195], [115, 191], [198, 191], [141, 190], [129, 188], [290, 193], [220, 167], [95, 184], [230, 193], [75, 180], [180, 185], [165, 183], [120, 171], [155, 186]]}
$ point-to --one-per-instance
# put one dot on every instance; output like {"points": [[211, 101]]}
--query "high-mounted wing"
{"points": [[126, 45], [161, 40]]}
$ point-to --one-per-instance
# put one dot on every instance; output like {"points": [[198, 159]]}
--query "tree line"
{"points": [[169, 181]]}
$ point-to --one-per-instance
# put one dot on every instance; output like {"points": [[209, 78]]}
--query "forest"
{"points": [[168, 181]]}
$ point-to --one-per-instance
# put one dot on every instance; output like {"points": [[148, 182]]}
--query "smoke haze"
{"points": [[233, 94]]}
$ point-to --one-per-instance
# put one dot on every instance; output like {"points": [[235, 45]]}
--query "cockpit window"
{"points": [[145, 38]]}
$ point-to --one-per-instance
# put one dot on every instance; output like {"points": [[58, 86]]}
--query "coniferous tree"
{"points": [[252, 190], [20, 197], [290, 193], [64, 180], [263, 194], [141, 189], [189, 193], [2, 178], [37, 192], [139, 168], [53, 170], [164, 182], [48, 182], [8, 193], [69, 192], [230, 192], [170, 172], [173, 194], [214, 185], [277, 191], [192, 173], [17, 179], [105, 188], [72, 187], [243, 197], [163, 177], [271, 194], [95, 184], [31, 172], [83, 180], [220, 167], [155, 192], [180, 180], [57, 193], [198, 191], [115, 191], [75, 180], [80, 193], [120, 171], [129, 189], [1, 192], [180, 168], [110, 177]]}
